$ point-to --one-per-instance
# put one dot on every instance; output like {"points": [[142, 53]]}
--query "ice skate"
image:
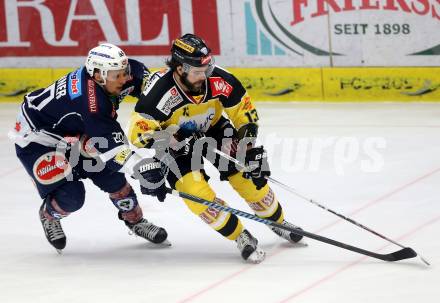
{"points": [[247, 245], [287, 235], [149, 231], [53, 230]]}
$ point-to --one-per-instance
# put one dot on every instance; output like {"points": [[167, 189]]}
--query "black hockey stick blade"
{"points": [[404, 253]]}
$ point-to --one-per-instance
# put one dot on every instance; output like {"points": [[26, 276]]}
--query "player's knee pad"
{"points": [[66, 199], [194, 183]]}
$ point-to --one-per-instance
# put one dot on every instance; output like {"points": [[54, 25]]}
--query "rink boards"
{"points": [[360, 84]]}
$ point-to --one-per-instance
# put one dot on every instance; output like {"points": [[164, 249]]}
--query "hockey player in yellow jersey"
{"points": [[191, 100]]}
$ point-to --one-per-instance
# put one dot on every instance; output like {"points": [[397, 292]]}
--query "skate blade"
{"points": [[59, 251], [165, 243], [295, 244], [299, 244], [256, 257]]}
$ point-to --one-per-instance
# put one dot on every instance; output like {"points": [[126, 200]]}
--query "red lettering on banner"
{"points": [[367, 5], [426, 7], [140, 27], [220, 87], [392, 6], [331, 4], [322, 7]]}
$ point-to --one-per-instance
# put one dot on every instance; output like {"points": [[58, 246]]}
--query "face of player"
{"points": [[116, 80], [194, 80]]}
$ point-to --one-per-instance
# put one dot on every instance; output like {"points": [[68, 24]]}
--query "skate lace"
{"points": [[146, 230], [53, 229]]}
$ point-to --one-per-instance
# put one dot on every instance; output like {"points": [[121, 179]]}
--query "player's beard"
{"points": [[193, 89]]}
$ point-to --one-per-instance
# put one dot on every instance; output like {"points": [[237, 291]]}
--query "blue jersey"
{"points": [[76, 105]]}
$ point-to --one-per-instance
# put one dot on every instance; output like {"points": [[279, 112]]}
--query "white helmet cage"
{"points": [[106, 57]]}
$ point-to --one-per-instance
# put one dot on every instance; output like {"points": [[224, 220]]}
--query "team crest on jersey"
{"points": [[74, 84], [51, 168], [195, 123], [219, 86], [169, 100]]}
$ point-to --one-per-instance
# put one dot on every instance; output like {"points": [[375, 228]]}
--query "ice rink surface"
{"points": [[377, 163]]}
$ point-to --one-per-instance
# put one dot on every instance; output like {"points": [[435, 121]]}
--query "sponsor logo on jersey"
{"points": [[142, 125], [51, 168], [74, 84], [247, 103], [220, 87], [17, 126], [169, 100], [195, 123], [91, 94], [122, 156]]}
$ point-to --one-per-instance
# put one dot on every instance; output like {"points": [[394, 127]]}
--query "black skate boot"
{"points": [[289, 236], [53, 230], [247, 245], [148, 231]]}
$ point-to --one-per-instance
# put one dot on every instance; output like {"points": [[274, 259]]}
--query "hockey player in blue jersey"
{"points": [[62, 128]]}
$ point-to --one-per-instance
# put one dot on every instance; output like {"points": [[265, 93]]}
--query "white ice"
{"points": [[377, 163]]}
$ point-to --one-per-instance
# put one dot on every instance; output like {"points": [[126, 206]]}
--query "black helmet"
{"points": [[191, 50]]}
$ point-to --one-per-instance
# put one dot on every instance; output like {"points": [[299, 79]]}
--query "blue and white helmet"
{"points": [[106, 57]]}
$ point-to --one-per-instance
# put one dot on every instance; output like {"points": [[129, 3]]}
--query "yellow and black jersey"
{"points": [[164, 103]]}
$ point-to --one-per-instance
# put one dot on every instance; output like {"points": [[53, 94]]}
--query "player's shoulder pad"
{"points": [[223, 83], [160, 83]]}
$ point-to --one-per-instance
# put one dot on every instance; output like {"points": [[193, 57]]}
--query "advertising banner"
{"points": [[251, 33], [353, 32], [41, 33]]}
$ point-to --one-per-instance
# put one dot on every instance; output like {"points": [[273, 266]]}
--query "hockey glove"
{"points": [[185, 146], [257, 166], [152, 178]]}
